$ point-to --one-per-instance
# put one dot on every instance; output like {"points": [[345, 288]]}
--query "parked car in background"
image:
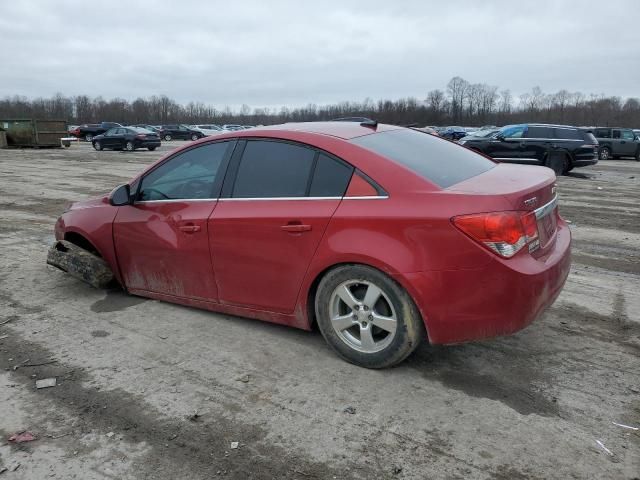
{"points": [[210, 126], [232, 127], [207, 132], [453, 133], [388, 245], [127, 138], [559, 147], [428, 130], [616, 142], [90, 130], [153, 128], [179, 132], [486, 133]]}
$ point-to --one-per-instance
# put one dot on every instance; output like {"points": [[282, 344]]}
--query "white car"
{"points": [[207, 130]]}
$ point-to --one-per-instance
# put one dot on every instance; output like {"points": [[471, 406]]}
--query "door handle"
{"points": [[189, 228], [296, 228]]}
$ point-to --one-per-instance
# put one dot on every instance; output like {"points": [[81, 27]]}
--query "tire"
{"points": [[638, 155], [88, 137], [558, 163], [194, 137], [604, 154], [97, 145], [129, 147], [394, 310], [151, 149], [167, 137]]}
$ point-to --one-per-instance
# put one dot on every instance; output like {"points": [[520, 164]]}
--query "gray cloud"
{"points": [[294, 52]]}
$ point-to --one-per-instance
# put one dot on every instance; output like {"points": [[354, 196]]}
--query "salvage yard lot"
{"points": [[153, 390]]}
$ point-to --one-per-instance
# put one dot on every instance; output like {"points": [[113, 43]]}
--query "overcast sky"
{"points": [[272, 53]]}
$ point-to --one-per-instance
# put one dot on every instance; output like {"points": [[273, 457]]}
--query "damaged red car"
{"points": [[383, 236]]}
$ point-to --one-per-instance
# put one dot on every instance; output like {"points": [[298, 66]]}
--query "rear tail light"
{"points": [[504, 233]]}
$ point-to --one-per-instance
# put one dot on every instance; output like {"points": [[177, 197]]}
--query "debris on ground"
{"points": [[110, 434], [601, 445], [626, 426], [10, 319], [80, 264], [235, 445], [350, 410], [22, 437], [243, 379], [396, 470], [2, 337], [599, 188], [46, 382], [194, 416]]}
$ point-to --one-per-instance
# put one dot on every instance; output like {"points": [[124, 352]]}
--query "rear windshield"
{"points": [[439, 161]]}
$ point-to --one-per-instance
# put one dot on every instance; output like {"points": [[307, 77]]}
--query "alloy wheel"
{"points": [[362, 316]]}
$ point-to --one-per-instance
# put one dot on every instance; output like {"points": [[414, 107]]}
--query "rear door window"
{"points": [[627, 135], [441, 162], [616, 134], [539, 132], [602, 132], [330, 178], [271, 169], [568, 134]]}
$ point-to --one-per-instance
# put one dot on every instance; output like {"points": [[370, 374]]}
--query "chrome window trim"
{"points": [[244, 199], [546, 209], [174, 200]]}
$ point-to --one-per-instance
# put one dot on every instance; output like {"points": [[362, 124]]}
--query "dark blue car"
{"points": [[453, 133]]}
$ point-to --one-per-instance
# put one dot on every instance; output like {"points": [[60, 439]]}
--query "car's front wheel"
{"points": [[167, 137], [129, 146], [88, 137], [97, 145], [605, 153], [366, 317], [194, 137]]}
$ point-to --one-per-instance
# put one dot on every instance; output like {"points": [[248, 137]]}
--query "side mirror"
{"points": [[120, 196], [499, 137]]}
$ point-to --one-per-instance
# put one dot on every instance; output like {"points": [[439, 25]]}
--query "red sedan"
{"points": [[382, 235]]}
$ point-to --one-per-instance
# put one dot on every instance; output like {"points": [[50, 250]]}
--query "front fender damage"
{"points": [[80, 263]]}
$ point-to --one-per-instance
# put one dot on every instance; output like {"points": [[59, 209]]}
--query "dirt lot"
{"points": [[153, 390]]}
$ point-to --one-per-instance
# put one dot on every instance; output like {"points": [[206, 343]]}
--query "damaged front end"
{"points": [[80, 264]]}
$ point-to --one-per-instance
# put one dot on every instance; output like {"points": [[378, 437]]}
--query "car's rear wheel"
{"points": [[194, 137], [167, 137], [605, 153], [559, 163], [129, 146], [97, 145], [366, 317], [88, 137]]}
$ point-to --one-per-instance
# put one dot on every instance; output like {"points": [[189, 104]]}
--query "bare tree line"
{"points": [[460, 103]]}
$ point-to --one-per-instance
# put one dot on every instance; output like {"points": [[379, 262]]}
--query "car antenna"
{"points": [[369, 123]]}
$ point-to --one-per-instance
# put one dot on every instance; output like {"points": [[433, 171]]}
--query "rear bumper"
{"points": [[499, 299]]}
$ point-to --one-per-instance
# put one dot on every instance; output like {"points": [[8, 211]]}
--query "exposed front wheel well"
{"points": [[82, 242]]}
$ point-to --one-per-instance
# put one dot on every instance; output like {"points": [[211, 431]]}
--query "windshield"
{"points": [[439, 161]]}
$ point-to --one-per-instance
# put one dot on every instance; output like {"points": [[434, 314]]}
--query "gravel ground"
{"points": [[153, 390]]}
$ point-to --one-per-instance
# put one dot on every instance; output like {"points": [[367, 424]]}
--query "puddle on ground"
{"points": [[116, 300]]}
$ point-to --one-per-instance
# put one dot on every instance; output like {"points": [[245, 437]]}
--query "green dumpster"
{"points": [[34, 133]]}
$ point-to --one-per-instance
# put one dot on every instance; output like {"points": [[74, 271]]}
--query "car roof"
{"points": [[344, 130], [541, 125]]}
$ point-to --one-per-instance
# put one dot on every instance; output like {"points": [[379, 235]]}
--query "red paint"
{"points": [[261, 258]]}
